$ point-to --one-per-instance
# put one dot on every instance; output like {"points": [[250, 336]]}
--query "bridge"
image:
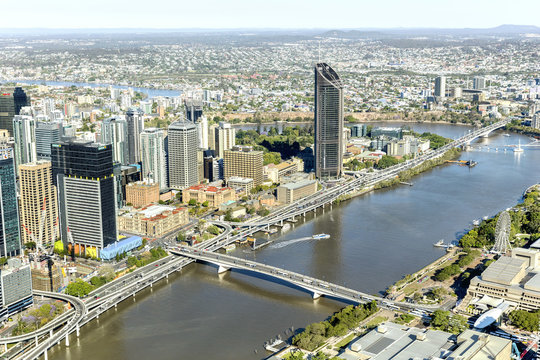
{"points": [[315, 286], [111, 294]]}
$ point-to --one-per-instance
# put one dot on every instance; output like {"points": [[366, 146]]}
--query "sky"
{"points": [[290, 14]]}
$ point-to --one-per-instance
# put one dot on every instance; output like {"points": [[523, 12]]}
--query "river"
{"points": [[375, 240]]}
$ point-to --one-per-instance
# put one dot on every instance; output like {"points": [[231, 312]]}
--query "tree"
{"points": [[79, 288], [192, 202], [271, 158], [181, 236], [31, 245], [525, 320], [386, 161], [205, 204], [213, 229]]}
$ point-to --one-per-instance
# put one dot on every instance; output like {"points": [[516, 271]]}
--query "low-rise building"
{"points": [[274, 172], [288, 193], [237, 182], [45, 278], [514, 278], [215, 196], [153, 221], [142, 193], [392, 341]]}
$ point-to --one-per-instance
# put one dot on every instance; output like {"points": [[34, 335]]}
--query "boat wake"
{"points": [[289, 242]]}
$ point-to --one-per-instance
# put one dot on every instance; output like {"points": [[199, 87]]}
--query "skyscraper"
{"points": [[194, 110], [202, 131], [225, 138], [135, 124], [24, 134], [47, 133], [38, 206], [10, 242], [440, 86], [154, 168], [328, 122], [10, 105], [114, 131], [182, 148], [83, 176]]}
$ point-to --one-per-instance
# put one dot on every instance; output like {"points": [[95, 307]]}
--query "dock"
{"points": [[260, 246], [469, 163], [405, 183]]}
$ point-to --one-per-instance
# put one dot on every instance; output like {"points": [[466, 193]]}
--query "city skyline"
{"points": [[241, 14]]}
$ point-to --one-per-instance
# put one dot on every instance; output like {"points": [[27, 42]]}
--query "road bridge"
{"points": [[315, 286]]}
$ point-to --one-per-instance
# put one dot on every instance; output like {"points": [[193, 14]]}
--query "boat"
{"points": [[518, 149], [273, 231], [286, 227], [320, 236], [439, 243], [485, 217], [229, 247], [476, 222], [507, 135]]}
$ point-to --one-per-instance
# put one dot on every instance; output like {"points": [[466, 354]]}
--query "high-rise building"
{"points": [[37, 203], [244, 162], [10, 242], [479, 83], [15, 288], [328, 122], [24, 134], [182, 149], [194, 110], [47, 133], [154, 168], [83, 176], [10, 105], [114, 131], [135, 125], [202, 131], [440, 86], [225, 138]]}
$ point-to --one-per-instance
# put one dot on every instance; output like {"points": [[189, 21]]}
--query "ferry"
{"points": [[320, 236], [507, 135], [273, 231], [286, 227], [229, 247], [476, 222]]}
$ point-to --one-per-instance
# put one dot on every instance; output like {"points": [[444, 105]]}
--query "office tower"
{"points": [[114, 131], [10, 242], [244, 162], [202, 131], [154, 168], [135, 124], [10, 105], [47, 133], [213, 168], [479, 83], [24, 134], [194, 110], [328, 122], [37, 203], [225, 138], [212, 136], [83, 176], [440, 86], [182, 146], [15, 288], [125, 101]]}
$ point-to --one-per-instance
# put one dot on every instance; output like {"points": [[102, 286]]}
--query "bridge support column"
{"points": [[45, 355], [115, 306], [304, 215], [67, 339], [78, 330], [316, 295], [151, 284], [221, 269], [281, 222], [268, 227], [50, 333], [37, 341], [166, 275]]}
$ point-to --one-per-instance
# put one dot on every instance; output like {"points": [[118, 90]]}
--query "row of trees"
{"points": [[443, 320], [339, 324], [453, 269]]}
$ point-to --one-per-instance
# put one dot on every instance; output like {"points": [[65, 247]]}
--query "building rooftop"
{"points": [[505, 270], [298, 184], [208, 188], [239, 179]]}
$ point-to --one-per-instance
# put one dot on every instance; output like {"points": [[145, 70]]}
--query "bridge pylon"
{"points": [[316, 295], [222, 269]]}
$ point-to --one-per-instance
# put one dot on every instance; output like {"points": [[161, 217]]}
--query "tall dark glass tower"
{"points": [[194, 110], [10, 241], [328, 123], [83, 175], [10, 105]]}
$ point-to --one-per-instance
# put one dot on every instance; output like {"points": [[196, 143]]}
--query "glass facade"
{"points": [[328, 123], [10, 105], [10, 242]]}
